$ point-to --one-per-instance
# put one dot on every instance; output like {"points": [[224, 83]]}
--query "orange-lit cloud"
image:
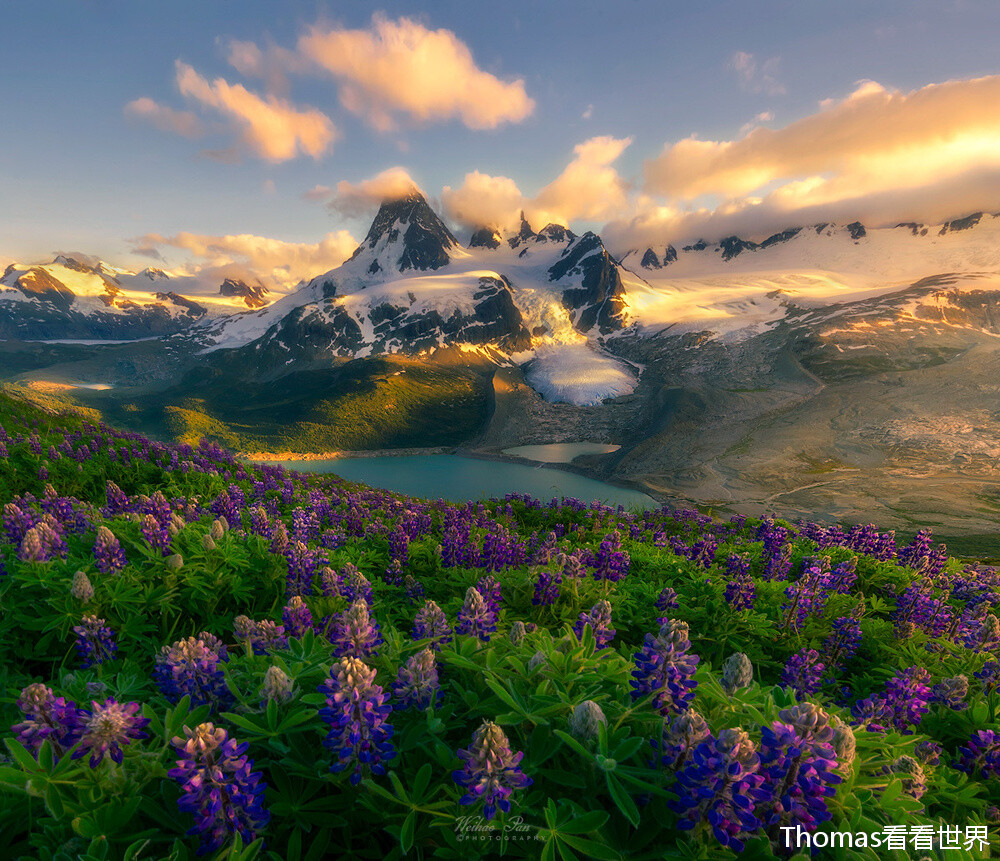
{"points": [[357, 199], [276, 262], [270, 127], [589, 189], [401, 67], [872, 140], [878, 155], [165, 118]]}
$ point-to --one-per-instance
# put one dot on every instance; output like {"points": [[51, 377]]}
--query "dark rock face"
{"points": [[254, 295], [669, 255], [523, 235], [961, 223], [913, 227], [425, 242], [485, 237], [600, 297], [700, 245], [733, 246], [857, 230], [650, 260], [555, 233], [783, 236]]}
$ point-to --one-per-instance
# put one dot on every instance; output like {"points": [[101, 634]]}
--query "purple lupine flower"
{"points": [[572, 565], [928, 752], [489, 588], [546, 588], [95, 641], [219, 787], [599, 620], [979, 757], [48, 718], [357, 711], [16, 522], [355, 632], [329, 583], [297, 617], [872, 714], [399, 543], [951, 693], [741, 589], [413, 587], [108, 728], [260, 524], [475, 618], [156, 534], [989, 675], [664, 668], [279, 538], [611, 563], [843, 642], [779, 563], [265, 636], [803, 672], [799, 769], [911, 775], [721, 786], [354, 585], [193, 667], [906, 697], [302, 562], [666, 600], [491, 772], [808, 595], [681, 734], [33, 548], [431, 623], [417, 684], [922, 606], [393, 574]]}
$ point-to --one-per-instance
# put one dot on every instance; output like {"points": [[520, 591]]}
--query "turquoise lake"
{"points": [[459, 479]]}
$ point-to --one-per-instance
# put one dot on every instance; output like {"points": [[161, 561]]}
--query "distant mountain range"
{"points": [[827, 368]]}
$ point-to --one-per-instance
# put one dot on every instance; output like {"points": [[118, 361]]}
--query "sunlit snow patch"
{"points": [[577, 374]]}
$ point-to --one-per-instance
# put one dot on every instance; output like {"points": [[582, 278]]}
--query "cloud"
{"points": [[276, 262], [318, 192], [482, 199], [270, 127], [878, 154], [589, 189], [401, 67], [357, 199], [757, 77], [271, 64], [588, 113], [164, 118], [760, 119]]}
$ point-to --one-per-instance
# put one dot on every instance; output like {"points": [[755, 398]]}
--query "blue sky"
{"points": [[78, 172]]}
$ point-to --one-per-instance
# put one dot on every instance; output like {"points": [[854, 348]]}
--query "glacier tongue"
{"points": [[578, 374]]}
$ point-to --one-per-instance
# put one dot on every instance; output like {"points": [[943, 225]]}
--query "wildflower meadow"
{"points": [[208, 657]]}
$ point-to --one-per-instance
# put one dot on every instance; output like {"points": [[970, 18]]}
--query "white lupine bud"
{"points": [[586, 719]]}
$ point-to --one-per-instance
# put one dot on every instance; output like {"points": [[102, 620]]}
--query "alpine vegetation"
{"points": [[207, 656]]}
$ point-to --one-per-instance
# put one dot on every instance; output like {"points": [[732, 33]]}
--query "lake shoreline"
{"points": [[470, 453]]}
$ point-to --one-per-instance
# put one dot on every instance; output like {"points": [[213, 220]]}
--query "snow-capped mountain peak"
{"points": [[405, 234]]}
